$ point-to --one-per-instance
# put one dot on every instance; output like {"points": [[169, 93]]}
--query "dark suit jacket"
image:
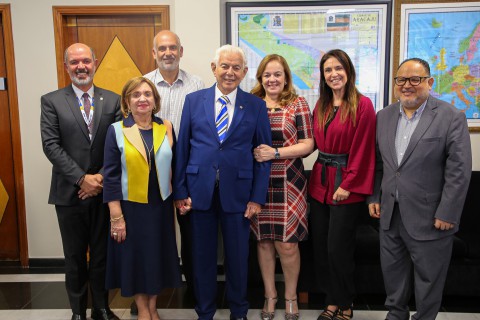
{"points": [[433, 177], [66, 143], [199, 153]]}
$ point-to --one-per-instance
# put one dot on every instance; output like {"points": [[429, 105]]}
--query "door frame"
{"points": [[15, 131], [60, 11]]}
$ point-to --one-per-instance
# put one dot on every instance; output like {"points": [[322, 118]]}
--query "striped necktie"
{"points": [[87, 108], [222, 119]]}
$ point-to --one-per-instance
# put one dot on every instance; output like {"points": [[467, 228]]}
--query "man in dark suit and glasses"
{"points": [[424, 164], [74, 121]]}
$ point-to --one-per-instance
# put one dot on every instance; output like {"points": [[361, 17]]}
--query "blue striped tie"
{"points": [[222, 119]]}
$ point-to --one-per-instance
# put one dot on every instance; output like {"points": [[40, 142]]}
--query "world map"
{"points": [[302, 37], [449, 41]]}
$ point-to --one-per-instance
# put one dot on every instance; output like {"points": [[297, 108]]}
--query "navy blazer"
{"points": [[200, 155]]}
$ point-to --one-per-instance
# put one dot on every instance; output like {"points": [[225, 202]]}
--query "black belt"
{"points": [[332, 160]]}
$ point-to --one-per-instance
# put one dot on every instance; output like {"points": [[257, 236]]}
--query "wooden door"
{"points": [[13, 239], [99, 26]]}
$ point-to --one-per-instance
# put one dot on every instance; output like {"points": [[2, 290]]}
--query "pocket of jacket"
{"points": [[433, 197], [245, 174], [192, 169]]}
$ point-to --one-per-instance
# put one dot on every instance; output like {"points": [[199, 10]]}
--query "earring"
{"points": [[285, 83]]}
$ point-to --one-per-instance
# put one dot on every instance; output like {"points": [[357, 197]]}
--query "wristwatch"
{"points": [[277, 154]]}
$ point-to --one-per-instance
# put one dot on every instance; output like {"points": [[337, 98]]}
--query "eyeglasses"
{"points": [[414, 81]]}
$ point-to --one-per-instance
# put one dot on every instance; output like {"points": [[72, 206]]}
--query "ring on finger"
{"points": [[115, 234]]}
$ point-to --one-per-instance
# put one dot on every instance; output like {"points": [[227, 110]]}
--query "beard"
{"points": [[162, 65], [81, 82], [413, 102]]}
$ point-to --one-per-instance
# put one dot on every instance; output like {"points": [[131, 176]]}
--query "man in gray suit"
{"points": [[423, 169], [74, 122]]}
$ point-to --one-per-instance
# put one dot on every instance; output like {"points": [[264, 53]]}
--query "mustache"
{"points": [[79, 71]]}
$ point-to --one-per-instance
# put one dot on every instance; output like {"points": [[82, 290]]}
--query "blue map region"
{"points": [[296, 79], [284, 40], [449, 42], [303, 37]]}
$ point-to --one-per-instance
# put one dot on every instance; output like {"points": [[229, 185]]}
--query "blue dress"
{"points": [[147, 261]]}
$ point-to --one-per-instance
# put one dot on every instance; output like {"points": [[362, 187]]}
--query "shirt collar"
{"points": [[79, 93], [231, 96], [417, 112], [159, 77]]}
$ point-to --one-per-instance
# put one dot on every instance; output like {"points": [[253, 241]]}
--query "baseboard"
{"points": [[47, 263]]}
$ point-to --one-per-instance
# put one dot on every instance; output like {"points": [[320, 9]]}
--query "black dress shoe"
{"points": [[232, 317], [133, 309], [78, 317], [103, 314]]}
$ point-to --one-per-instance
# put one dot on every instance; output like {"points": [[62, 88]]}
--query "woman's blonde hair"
{"points": [[288, 94]]}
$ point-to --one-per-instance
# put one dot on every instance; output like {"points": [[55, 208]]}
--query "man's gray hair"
{"points": [[65, 55], [229, 49]]}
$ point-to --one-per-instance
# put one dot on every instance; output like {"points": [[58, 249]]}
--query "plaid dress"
{"points": [[284, 216]]}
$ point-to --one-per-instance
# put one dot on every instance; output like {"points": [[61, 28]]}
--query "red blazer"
{"points": [[359, 142]]}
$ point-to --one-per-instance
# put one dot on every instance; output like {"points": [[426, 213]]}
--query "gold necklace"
{"points": [[149, 150], [274, 108], [148, 126]]}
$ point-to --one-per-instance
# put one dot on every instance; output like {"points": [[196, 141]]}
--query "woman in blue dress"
{"points": [[142, 256]]}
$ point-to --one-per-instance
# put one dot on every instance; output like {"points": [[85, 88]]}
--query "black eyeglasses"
{"points": [[414, 81]]}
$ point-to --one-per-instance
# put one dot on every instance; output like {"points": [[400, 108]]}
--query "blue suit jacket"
{"points": [[199, 153]]}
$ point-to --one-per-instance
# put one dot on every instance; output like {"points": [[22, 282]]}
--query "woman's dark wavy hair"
{"points": [[324, 104]]}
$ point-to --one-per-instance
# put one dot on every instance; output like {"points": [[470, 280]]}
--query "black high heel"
{"points": [[341, 315], [327, 315]]}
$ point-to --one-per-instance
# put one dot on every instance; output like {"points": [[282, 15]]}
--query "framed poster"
{"points": [[303, 31], [447, 36]]}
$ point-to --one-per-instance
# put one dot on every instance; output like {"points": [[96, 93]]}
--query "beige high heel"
{"points": [[290, 315], [265, 315]]}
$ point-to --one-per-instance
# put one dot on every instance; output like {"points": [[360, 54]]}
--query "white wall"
{"points": [[34, 46], [196, 22]]}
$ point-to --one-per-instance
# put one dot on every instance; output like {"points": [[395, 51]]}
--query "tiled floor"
{"points": [[39, 294]]}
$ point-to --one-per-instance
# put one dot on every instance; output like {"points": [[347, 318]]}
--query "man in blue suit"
{"points": [[217, 178]]}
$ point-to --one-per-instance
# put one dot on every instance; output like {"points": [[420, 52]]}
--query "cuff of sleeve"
{"points": [[80, 181]]}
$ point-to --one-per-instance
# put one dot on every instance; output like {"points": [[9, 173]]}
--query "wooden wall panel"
{"points": [[97, 26], [9, 245], [136, 40]]}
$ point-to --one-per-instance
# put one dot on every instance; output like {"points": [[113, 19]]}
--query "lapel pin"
{"points": [[101, 98], [241, 107]]}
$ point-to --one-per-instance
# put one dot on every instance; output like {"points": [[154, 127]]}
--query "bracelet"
{"points": [[116, 219]]}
